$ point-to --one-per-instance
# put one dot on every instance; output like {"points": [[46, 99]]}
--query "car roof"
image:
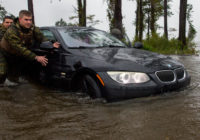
{"points": [[67, 27]]}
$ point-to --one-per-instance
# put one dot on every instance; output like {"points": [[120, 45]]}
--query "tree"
{"points": [[114, 13], [153, 10], [61, 22], [83, 20], [147, 12], [110, 13], [139, 21], [90, 21], [82, 12], [30, 8], [182, 22], [156, 12], [141, 24], [117, 22], [3, 13], [165, 19], [166, 9], [192, 31], [152, 20]]}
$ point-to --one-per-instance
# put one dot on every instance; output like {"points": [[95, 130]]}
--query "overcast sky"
{"points": [[47, 12]]}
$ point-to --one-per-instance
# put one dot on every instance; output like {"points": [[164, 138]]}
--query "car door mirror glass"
{"points": [[138, 45], [47, 45]]}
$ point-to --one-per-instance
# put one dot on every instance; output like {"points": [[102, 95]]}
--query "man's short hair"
{"points": [[25, 13], [7, 17]]}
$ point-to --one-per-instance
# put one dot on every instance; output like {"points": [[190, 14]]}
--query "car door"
{"points": [[58, 66], [53, 55]]}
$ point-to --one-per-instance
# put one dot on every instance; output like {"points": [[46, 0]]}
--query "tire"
{"points": [[2, 79], [42, 77], [90, 87]]}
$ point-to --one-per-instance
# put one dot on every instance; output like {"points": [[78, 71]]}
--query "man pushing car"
{"points": [[16, 45]]}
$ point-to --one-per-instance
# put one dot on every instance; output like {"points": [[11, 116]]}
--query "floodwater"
{"points": [[32, 112]]}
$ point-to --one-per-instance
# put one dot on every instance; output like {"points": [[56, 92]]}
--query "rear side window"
{"points": [[49, 35]]}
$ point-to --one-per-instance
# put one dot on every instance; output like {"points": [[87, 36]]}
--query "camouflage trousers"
{"points": [[11, 67], [3, 68]]}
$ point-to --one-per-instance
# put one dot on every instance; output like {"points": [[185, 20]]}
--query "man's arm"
{"points": [[16, 45], [2, 32], [42, 60]]}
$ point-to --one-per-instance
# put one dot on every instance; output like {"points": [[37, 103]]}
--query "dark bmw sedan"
{"points": [[94, 62]]}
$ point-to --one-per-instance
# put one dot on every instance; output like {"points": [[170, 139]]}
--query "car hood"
{"points": [[123, 59]]}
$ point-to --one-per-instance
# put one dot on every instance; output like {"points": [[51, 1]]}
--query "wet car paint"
{"points": [[65, 63]]}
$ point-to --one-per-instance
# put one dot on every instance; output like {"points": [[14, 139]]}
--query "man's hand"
{"points": [[56, 45], [42, 60]]}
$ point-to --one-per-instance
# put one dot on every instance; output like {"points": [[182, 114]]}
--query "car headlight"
{"points": [[128, 77]]}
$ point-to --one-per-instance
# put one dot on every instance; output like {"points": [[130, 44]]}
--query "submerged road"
{"points": [[29, 112]]}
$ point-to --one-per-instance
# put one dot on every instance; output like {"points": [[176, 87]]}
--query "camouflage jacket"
{"points": [[2, 31], [18, 41]]}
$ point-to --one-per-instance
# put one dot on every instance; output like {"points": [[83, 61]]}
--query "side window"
{"points": [[49, 35]]}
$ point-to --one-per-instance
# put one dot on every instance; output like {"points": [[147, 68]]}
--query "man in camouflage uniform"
{"points": [[17, 42], [7, 21]]}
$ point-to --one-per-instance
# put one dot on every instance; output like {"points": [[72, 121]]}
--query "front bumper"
{"points": [[116, 91]]}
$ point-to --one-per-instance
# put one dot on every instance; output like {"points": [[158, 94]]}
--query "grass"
{"points": [[164, 46]]}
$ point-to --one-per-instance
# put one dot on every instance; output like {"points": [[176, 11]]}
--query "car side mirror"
{"points": [[138, 45], [47, 45]]}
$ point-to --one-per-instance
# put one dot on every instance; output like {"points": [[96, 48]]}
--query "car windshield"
{"points": [[77, 37]]}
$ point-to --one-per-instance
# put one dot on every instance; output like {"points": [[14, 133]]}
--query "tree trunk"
{"points": [[30, 8], [182, 22], [148, 21], [118, 16], [152, 20], [165, 20], [141, 17], [84, 13], [80, 16], [110, 13], [137, 22]]}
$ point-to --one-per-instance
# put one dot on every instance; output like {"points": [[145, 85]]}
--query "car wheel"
{"points": [[42, 77], [2, 79], [90, 87]]}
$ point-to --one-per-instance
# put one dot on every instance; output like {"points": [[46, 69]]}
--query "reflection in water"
{"points": [[29, 111]]}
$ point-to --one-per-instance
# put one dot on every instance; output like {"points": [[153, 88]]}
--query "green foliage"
{"points": [[192, 31], [164, 46], [169, 13], [90, 21], [110, 12], [158, 11], [61, 22], [3, 13]]}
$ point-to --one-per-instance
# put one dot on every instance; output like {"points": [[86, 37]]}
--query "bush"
{"points": [[164, 46]]}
